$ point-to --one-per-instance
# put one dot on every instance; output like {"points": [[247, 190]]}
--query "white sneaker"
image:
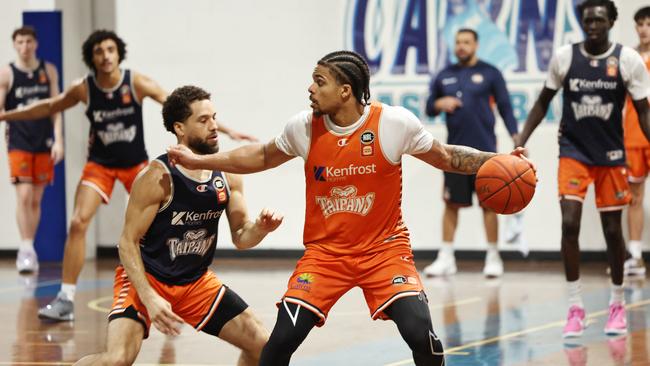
{"points": [[445, 264], [493, 264], [27, 261], [634, 267]]}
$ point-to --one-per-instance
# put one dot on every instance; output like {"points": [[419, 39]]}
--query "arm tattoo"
{"points": [[466, 159]]}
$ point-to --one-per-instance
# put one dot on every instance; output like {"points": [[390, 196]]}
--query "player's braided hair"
{"points": [[350, 68], [612, 12]]}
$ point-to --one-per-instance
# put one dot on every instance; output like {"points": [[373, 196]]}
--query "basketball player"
{"points": [[354, 234], [637, 151], [116, 150], [169, 240], [466, 93], [35, 145], [595, 75]]}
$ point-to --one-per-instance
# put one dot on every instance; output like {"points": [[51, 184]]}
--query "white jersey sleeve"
{"points": [[559, 67], [295, 139], [401, 132], [634, 74]]}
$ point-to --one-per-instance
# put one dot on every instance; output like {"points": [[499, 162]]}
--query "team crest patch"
{"points": [[125, 91], [42, 78], [477, 78], [220, 187], [612, 66], [367, 143]]}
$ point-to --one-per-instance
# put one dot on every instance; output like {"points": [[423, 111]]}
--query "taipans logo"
{"points": [[345, 200], [194, 218], [194, 242], [592, 106], [331, 174], [115, 132]]}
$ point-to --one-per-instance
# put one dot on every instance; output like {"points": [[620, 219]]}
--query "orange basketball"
{"points": [[505, 184]]}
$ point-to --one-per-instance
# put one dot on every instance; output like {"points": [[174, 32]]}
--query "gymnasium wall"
{"points": [[256, 57]]}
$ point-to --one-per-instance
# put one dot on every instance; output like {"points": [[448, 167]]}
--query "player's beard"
{"points": [[201, 147]]}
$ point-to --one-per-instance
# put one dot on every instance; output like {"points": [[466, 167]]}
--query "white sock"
{"points": [[68, 290], [617, 294], [575, 293], [447, 249], [634, 246], [27, 244], [492, 248]]}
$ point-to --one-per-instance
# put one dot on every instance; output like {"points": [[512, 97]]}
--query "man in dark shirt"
{"points": [[466, 93]]}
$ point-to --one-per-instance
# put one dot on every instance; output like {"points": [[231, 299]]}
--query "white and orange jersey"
{"points": [[354, 176], [633, 135]]}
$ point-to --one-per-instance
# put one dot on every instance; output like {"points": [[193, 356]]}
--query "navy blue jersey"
{"points": [[473, 123], [180, 242], [116, 131], [28, 87], [591, 130]]}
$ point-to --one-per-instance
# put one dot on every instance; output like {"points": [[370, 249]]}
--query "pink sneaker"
{"points": [[616, 323], [575, 322]]}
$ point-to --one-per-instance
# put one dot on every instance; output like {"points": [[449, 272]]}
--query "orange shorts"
{"points": [[638, 164], [28, 167], [102, 178], [195, 302], [612, 189], [321, 278]]}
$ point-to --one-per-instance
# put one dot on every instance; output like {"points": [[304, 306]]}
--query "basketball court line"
{"points": [[453, 350]]}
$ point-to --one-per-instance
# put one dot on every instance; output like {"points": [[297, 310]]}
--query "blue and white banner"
{"points": [[408, 41]]}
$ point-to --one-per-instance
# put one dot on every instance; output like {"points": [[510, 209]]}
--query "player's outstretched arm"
{"points": [[535, 116], [5, 81], [150, 190], [643, 111], [47, 107], [243, 160], [460, 159], [57, 150], [245, 233]]}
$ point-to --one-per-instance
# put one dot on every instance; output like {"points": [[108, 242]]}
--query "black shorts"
{"points": [[459, 189]]}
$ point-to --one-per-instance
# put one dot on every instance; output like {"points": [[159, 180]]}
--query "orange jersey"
{"points": [[634, 137], [353, 193]]}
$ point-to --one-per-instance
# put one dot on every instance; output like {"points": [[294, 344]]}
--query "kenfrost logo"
{"points": [[194, 218], [592, 106], [194, 242], [102, 115], [577, 84], [26, 91], [345, 199], [331, 174], [115, 132]]}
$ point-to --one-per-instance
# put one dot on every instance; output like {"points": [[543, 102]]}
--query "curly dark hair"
{"points": [[350, 68], [176, 107], [26, 30], [612, 12], [97, 37]]}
